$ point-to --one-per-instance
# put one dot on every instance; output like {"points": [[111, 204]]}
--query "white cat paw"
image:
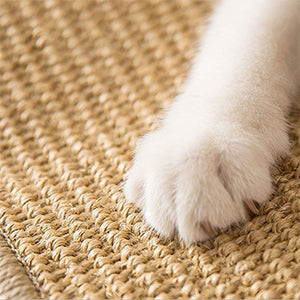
{"points": [[195, 183]]}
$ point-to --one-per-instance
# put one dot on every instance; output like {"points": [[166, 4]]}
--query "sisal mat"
{"points": [[80, 82]]}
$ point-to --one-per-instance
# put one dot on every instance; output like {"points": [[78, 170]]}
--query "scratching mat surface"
{"points": [[80, 82]]}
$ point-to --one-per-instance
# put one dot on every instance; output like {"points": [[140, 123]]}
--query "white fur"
{"points": [[222, 134]]}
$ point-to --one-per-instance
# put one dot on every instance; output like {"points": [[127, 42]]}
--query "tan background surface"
{"points": [[80, 82], [14, 282]]}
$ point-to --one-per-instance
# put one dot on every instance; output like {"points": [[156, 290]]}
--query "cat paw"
{"points": [[197, 183]]}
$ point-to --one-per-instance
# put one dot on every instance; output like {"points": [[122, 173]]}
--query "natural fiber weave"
{"points": [[80, 82]]}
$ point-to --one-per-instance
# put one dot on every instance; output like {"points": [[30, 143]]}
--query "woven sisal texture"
{"points": [[80, 82]]}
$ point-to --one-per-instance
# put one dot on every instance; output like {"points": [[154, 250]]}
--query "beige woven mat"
{"points": [[80, 82]]}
